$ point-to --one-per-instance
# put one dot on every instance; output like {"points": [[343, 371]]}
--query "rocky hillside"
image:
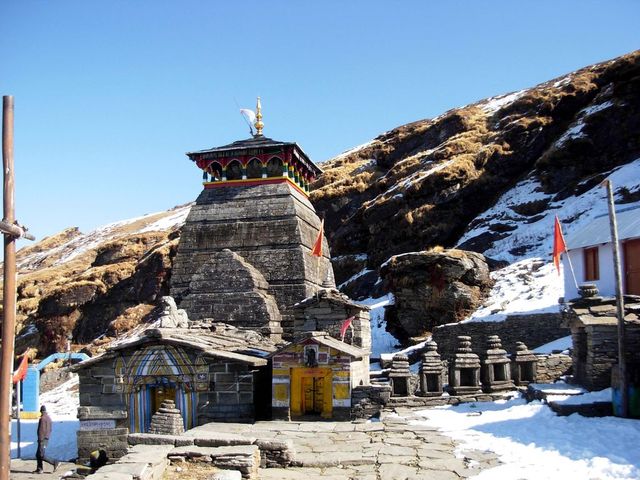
{"points": [[93, 286], [433, 182], [487, 177]]}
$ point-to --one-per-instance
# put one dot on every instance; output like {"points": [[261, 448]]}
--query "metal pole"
{"points": [[18, 400], [9, 290], [622, 363]]}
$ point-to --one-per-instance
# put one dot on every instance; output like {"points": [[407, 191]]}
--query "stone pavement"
{"points": [[23, 470], [392, 449]]}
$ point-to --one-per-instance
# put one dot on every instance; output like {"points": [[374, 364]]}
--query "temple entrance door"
{"points": [[159, 395], [311, 391], [312, 395], [632, 267]]}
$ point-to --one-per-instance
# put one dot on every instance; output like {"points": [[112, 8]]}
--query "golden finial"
{"points": [[259, 125]]}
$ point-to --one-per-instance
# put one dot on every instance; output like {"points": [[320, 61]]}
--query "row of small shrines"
{"points": [[468, 374]]}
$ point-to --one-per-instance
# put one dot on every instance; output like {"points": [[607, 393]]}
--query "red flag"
{"points": [[558, 244], [345, 325], [19, 374], [317, 247]]}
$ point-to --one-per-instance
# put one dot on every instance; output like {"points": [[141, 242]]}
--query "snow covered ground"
{"points": [[535, 444], [62, 405], [381, 340]]}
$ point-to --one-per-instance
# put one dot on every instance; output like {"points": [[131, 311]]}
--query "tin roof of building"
{"points": [[599, 231]]}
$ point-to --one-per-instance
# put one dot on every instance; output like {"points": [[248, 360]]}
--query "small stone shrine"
{"points": [[496, 367], [167, 420], [464, 369], [523, 365], [327, 311], [400, 376], [431, 371], [254, 203], [594, 326]]}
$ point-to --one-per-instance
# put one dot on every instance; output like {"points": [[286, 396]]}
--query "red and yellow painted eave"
{"points": [[252, 182]]}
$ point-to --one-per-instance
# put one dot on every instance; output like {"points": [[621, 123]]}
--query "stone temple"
{"points": [[260, 332], [244, 255]]}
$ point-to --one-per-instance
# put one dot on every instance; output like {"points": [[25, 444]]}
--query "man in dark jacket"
{"points": [[44, 433]]}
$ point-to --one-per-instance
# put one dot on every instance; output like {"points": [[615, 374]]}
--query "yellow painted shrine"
{"points": [[314, 376]]}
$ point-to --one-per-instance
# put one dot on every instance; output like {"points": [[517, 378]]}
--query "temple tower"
{"points": [[254, 203]]}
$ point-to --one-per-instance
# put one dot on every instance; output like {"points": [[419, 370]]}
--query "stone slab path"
{"points": [[393, 449], [23, 470]]}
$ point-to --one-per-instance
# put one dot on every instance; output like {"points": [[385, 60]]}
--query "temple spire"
{"points": [[259, 125]]}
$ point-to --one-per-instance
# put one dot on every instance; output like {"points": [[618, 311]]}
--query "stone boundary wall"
{"points": [[552, 367], [273, 453], [534, 330], [369, 400]]}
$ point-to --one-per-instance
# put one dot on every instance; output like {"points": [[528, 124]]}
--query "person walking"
{"points": [[44, 433]]}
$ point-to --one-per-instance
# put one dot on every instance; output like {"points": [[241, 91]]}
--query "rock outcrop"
{"points": [[433, 288]]}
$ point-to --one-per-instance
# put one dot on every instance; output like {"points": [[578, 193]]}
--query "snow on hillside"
{"points": [[534, 239], [528, 286], [381, 340], [78, 245]]}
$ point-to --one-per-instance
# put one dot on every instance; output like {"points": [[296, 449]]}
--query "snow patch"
{"points": [[560, 345], [381, 340], [362, 272], [533, 443], [496, 103], [534, 239], [528, 286]]}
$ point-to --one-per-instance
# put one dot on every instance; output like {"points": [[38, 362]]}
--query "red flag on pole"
{"points": [[346, 324], [19, 374], [559, 246], [317, 247]]}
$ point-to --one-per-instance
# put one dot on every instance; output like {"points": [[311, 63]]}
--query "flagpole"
{"points": [[18, 401], [622, 361], [573, 274]]}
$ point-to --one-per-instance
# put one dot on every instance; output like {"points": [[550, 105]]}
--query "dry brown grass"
{"points": [[131, 318]]}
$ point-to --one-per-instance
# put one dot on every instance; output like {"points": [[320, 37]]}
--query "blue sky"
{"points": [[110, 94]]}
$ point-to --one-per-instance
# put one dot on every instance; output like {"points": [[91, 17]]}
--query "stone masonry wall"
{"points": [[368, 401], [273, 228], [551, 367], [534, 330], [594, 332], [328, 315], [230, 398]]}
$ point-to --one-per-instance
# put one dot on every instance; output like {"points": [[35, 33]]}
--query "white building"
{"points": [[591, 252]]}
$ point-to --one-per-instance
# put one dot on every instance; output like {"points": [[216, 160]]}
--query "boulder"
{"points": [[433, 288]]}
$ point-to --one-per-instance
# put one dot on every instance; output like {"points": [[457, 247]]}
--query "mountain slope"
{"points": [[487, 177], [427, 182], [93, 285]]}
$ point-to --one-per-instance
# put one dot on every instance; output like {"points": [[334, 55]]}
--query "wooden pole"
{"points": [[9, 290], [622, 363]]}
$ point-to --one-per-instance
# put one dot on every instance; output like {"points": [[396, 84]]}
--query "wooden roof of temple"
{"points": [[256, 145], [263, 148]]}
